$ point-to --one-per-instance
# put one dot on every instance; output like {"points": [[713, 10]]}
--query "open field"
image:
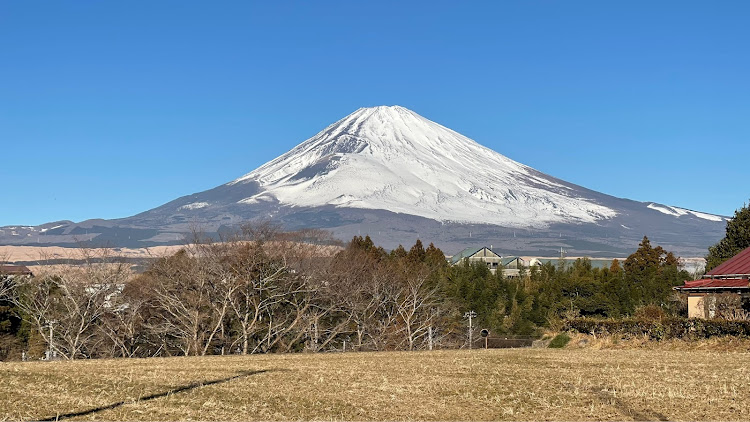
{"points": [[43, 253], [520, 384]]}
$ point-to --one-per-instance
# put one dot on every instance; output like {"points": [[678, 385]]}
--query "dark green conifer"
{"points": [[736, 239]]}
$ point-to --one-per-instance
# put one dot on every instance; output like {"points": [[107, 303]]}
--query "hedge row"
{"points": [[667, 328]]}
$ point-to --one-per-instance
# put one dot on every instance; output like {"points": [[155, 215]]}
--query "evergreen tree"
{"points": [[366, 246], [651, 273], [435, 258], [398, 253], [736, 239], [645, 261], [615, 267], [417, 252]]}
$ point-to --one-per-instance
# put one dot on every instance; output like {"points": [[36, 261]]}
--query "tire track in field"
{"points": [[180, 389]]}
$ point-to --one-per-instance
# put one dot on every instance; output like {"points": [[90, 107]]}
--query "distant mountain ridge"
{"points": [[391, 173]]}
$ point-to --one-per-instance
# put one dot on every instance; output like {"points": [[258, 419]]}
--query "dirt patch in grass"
{"points": [[520, 384]]}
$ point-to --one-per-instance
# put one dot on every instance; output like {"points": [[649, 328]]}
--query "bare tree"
{"points": [[182, 297], [123, 325], [6, 280], [724, 306], [417, 307], [6, 286], [66, 303], [257, 288], [280, 300]]}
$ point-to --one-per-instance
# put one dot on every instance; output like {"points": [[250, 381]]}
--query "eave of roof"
{"points": [[710, 283]]}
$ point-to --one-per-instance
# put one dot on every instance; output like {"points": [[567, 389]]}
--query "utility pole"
{"points": [[470, 315], [270, 320], [429, 337], [51, 347]]}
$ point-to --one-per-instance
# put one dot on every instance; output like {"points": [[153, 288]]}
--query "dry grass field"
{"points": [[41, 253], [519, 384]]}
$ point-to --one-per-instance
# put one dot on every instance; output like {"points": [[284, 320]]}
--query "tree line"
{"points": [[269, 291]]}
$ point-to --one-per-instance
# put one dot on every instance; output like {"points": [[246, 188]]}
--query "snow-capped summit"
{"points": [[397, 176], [391, 158]]}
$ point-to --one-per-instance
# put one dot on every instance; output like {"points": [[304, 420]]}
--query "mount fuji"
{"points": [[393, 159], [397, 176]]}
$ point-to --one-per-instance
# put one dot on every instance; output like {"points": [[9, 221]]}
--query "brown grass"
{"points": [[713, 344], [41, 253], [521, 384]]}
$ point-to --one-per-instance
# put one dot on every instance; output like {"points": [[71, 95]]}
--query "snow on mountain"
{"points": [[679, 212], [393, 159], [194, 206], [396, 176]]}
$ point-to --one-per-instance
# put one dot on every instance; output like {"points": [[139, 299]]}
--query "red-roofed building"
{"points": [[733, 276], [737, 265]]}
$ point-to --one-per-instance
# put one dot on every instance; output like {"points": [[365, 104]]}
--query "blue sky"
{"points": [[108, 109]]}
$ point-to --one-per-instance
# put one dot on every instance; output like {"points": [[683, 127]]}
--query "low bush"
{"points": [[650, 313], [561, 340], [666, 328]]}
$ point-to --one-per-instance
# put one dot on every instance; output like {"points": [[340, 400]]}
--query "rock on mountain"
{"points": [[393, 174]]}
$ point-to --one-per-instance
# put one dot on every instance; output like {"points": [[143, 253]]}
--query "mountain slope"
{"points": [[396, 175], [393, 159]]}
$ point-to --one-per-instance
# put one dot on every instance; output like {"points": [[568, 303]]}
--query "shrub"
{"points": [[650, 313], [561, 340], [667, 328]]}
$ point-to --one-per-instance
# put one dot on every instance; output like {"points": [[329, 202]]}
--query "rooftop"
{"points": [[737, 265], [14, 270], [469, 252], [711, 283]]}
